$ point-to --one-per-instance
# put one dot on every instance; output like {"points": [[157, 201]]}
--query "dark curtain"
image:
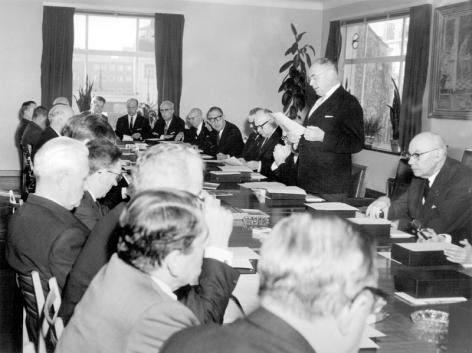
{"points": [[333, 46], [416, 69], [58, 47], [168, 34]]}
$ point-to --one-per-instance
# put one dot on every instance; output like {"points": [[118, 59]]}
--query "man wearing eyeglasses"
{"points": [[317, 288], [104, 173], [271, 135], [199, 134], [439, 196], [252, 144], [170, 125], [229, 139]]}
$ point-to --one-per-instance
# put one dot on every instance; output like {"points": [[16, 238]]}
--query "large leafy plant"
{"points": [[294, 85], [85, 96]]}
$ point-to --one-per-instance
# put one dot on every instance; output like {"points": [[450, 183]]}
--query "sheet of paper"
{"points": [[223, 172], [367, 343], [368, 220], [261, 233], [206, 156], [331, 206], [257, 176], [232, 161], [243, 252], [288, 124], [210, 186], [373, 332], [313, 198], [395, 233], [417, 247], [127, 138], [295, 190], [235, 168], [242, 263], [427, 301], [261, 184]]}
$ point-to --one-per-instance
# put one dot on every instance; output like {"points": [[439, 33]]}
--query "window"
{"points": [[117, 54], [374, 55]]}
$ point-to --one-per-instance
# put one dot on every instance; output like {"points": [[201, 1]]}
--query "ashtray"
{"points": [[431, 319]]}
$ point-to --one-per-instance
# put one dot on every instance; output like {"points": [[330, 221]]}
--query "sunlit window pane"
{"points": [[384, 38], [112, 33], [146, 35], [79, 31]]}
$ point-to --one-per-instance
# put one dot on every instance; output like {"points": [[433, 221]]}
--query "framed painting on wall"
{"points": [[451, 70]]}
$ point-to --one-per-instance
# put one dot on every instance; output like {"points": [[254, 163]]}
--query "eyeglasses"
{"points": [[216, 118], [380, 298], [260, 126], [165, 110], [118, 176], [407, 156]]}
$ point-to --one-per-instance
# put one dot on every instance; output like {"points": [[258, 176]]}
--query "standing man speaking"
{"points": [[334, 130]]}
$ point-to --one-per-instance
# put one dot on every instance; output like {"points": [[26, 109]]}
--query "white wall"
{"points": [[456, 133], [231, 55]]}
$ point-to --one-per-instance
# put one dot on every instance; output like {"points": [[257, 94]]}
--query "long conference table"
{"points": [[401, 335]]}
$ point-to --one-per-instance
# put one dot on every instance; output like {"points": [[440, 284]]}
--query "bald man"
{"points": [[199, 134], [439, 196]]}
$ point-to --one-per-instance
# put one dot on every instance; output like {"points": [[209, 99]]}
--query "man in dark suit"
{"points": [[43, 235], [229, 140], [96, 108], [285, 164], [133, 125], [35, 127], [170, 125], [162, 166], [198, 134], [251, 146], [439, 196], [317, 289], [104, 173], [58, 117], [271, 135], [334, 131]]}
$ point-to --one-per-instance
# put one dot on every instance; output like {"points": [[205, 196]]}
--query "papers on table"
{"points": [[232, 161], [368, 220], [127, 138], [331, 206], [257, 176], [210, 186], [288, 124], [427, 301], [261, 233], [313, 198], [261, 184], [396, 234], [207, 156], [235, 168], [292, 190], [426, 246]]}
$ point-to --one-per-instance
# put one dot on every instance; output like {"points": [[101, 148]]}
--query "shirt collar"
{"points": [[164, 287], [432, 178], [331, 91]]}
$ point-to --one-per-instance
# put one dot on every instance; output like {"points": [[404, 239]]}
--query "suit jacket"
{"points": [[89, 212], [448, 206], [48, 134], [176, 125], [231, 141], [325, 167], [259, 332], [251, 147], [287, 172], [266, 153], [123, 310], [31, 134], [206, 140], [140, 125], [208, 300]]}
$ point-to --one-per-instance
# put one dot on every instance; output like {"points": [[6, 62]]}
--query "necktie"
{"points": [[426, 190], [218, 138], [166, 128], [131, 123]]}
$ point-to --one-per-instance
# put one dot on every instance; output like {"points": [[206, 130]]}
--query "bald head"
{"points": [[428, 154], [58, 116], [195, 117]]}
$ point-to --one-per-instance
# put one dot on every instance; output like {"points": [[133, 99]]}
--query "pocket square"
{"points": [[433, 207], [329, 116]]}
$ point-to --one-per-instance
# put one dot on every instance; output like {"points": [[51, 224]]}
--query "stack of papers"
{"points": [[289, 190], [235, 168], [261, 184], [331, 206], [210, 186]]}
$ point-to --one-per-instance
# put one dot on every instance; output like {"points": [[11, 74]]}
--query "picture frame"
{"points": [[451, 69]]}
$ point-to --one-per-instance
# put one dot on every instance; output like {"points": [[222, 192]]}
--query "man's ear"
{"points": [[347, 320], [172, 263], [62, 180]]}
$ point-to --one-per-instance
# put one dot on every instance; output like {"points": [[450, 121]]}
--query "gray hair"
{"points": [[168, 103], [327, 63], [169, 165], [311, 265], [58, 155], [59, 114]]}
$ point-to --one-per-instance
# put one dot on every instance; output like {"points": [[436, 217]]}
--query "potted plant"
{"points": [[372, 127], [395, 118], [85, 96], [294, 85]]}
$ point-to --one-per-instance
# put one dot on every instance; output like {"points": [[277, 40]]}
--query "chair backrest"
{"points": [[398, 185], [467, 157], [357, 186]]}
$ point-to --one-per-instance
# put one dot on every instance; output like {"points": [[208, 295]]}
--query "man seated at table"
{"points": [[130, 305], [96, 108], [251, 146], [439, 196], [198, 134], [317, 288], [229, 140], [35, 127], [271, 135], [133, 125], [104, 172], [58, 117], [170, 125], [43, 235], [166, 165]]}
